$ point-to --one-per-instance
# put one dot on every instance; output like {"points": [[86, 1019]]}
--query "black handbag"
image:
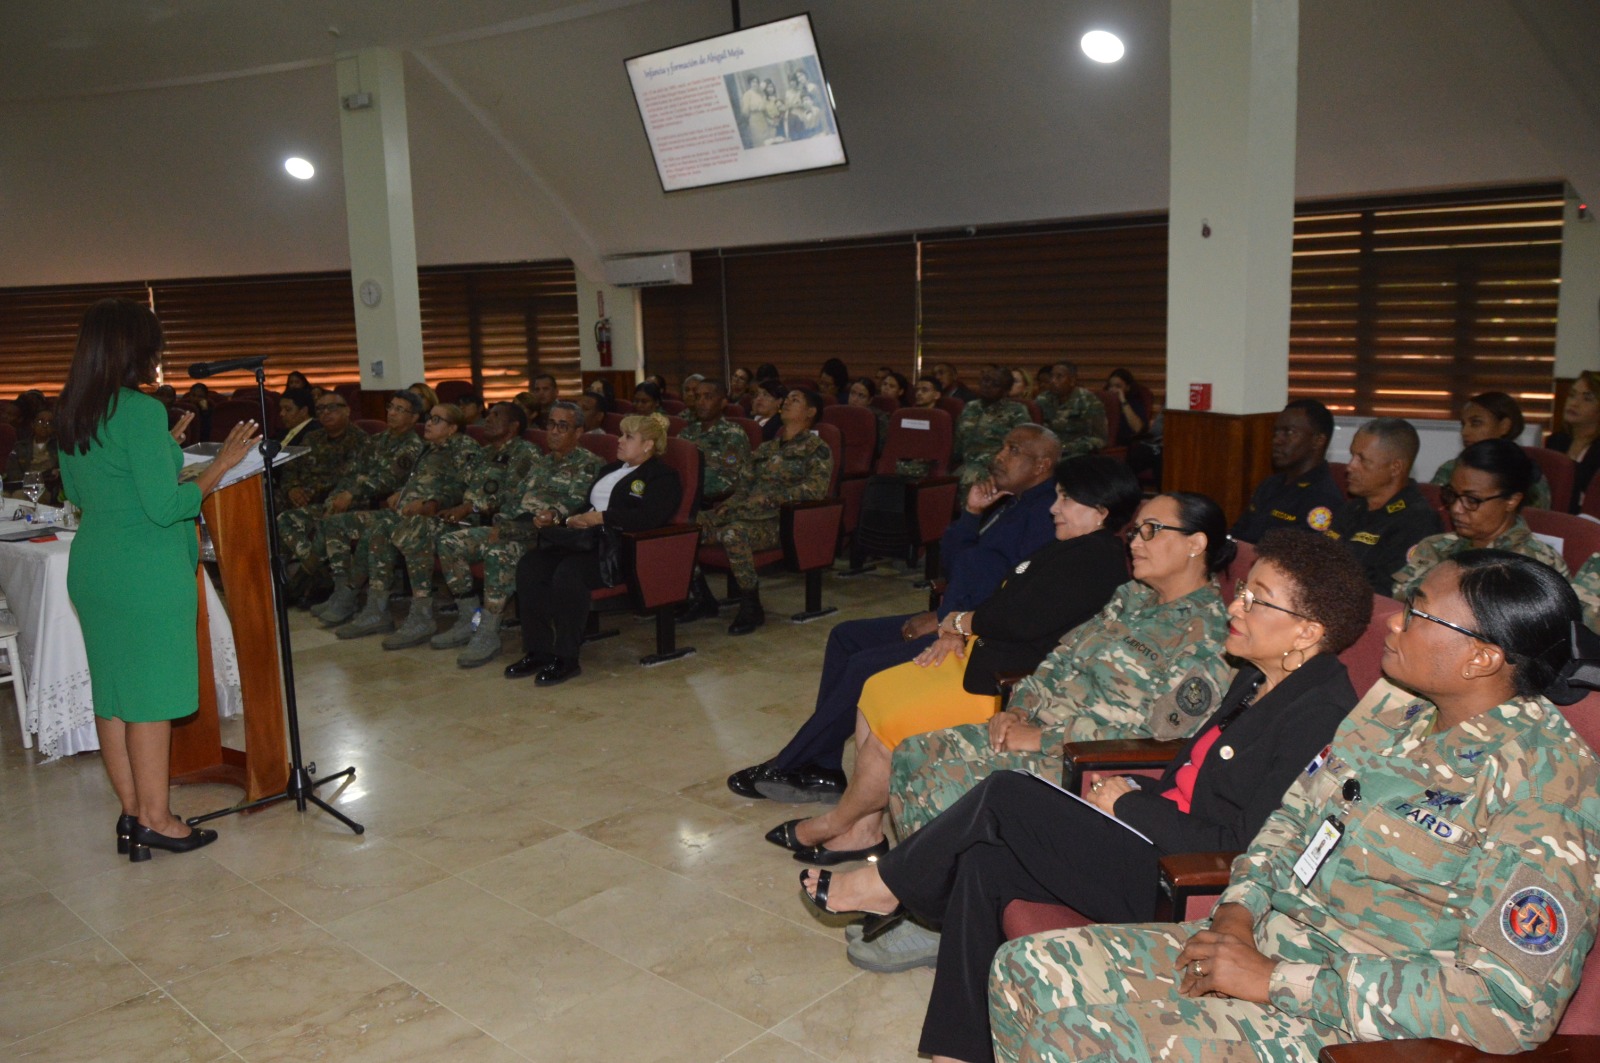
{"points": [[604, 541]]}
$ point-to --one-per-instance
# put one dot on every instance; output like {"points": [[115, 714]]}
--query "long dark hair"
{"points": [[118, 347], [1523, 606]]}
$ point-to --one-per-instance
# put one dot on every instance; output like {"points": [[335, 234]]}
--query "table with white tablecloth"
{"points": [[33, 577]]}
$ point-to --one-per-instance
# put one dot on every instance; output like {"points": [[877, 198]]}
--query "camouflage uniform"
{"points": [[327, 463], [727, 452], [382, 464], [1048, 404], [1458, 904], [1587, 584], [1436, 548], [1538, 491], [796, 470], [441, 476], [1139, 669], [1079, 421], [980, 430], [558, 483]]}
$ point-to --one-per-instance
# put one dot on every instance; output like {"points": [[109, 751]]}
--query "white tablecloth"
{"points": [[33, 577]]}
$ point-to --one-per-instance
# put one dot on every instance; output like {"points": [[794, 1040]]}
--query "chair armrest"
{"points": [[1116, 754], [1188, 875], [659, 563], [664, 532], [1006, 682], [808, 532], [1567, 1048], [933, 504]]}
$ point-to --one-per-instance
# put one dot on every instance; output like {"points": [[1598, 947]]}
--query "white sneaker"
{"points": [[902, 947]]}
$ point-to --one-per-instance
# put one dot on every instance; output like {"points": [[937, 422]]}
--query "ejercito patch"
{"points": [[1194, 696]]}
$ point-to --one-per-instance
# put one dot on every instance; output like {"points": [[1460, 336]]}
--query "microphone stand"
{"points": [[302, 787]]}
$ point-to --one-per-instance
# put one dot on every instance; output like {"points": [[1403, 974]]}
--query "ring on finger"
{"points": [[1199, 971]]}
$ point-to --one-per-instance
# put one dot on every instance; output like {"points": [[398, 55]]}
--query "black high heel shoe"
{"points": [[143, 839], [125, 825], [873, 925]]}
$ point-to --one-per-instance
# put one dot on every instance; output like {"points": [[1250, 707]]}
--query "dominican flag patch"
{"points": [[1319, 760]]}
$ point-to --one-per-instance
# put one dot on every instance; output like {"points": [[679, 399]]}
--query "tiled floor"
{"points": [[546, 875]]}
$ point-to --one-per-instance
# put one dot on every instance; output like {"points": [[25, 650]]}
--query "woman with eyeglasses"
{"points": [[1057, 588], [1484, 501], [1015, 838], [1430, 874], [1148, 666]]}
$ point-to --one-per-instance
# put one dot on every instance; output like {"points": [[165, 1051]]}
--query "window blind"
{"points": [[39, 332]]}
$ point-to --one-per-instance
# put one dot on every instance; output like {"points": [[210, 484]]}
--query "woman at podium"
{"points": [[132, 571]]}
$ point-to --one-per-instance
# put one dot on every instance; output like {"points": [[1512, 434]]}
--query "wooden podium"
{"points": [[237, 518]]}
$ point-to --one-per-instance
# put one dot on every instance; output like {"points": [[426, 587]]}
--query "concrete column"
{"points": [[1234, 81], [1578, 310], [621, 309], [383, 240]]}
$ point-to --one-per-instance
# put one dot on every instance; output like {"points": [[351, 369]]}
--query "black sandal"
{"points": [[872, 925]]}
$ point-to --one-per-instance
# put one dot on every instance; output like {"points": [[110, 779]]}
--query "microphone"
{"points": [[201, 370]]}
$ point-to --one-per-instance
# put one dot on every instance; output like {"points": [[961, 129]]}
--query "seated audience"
{"points": [[984, 422], [832, 380], [425, 392], [1021, 387], [198, 399], [542, 394], [1074, 413], [795, 466], [1013, 838], [1147, 667], [35, 453], [592, 414], [296, 409], [862, 390], [1431, 874], [740, 384], [767, 371], [406, 526], [1300, 493], [471, 406], [1484, 503], [1005, 520], [1135, 417], [1580, 427], [385, 464], [296, 379], [927, 393], [491, 478], [338, 449], [950, 382], [895, 386], [647, 399], [769, 396], [608, 397], [637, 492], [1386, 514], [723, 444], [1495, 415], [1058, 587], [165, 394]]}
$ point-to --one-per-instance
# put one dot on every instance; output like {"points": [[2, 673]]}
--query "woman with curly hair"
{"points": [[1015, 838]]}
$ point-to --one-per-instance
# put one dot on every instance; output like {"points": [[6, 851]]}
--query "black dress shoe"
{"points": [[802, 786], [125, 825], [529, 664], [820, 856], [559, 671], [751, 615], [784, 837], [143, 839], [744, 782]]}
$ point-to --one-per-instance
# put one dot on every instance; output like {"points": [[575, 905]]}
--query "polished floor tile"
{"points": [[545, 875]]}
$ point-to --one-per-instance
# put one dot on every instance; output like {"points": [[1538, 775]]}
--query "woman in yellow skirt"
{"points": [[953, 681]]}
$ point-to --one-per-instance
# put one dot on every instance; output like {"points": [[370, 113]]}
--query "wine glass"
{"points": [[32, 487]]}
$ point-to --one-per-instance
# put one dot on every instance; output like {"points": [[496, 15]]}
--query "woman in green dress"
{"points": [[132, 571]]}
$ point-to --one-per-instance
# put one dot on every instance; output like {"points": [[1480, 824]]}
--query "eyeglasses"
{"points": [[436, 419], [1411, 610], [401, 407], [1470, 503], [1248, 601], [1146, 530], [561, 426], [325, 407]]}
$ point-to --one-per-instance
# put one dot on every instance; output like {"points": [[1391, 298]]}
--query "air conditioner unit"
{"points": [[648, 271]]}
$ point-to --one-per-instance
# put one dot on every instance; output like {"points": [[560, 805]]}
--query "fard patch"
{"points": [[637, 487], [1320, 518], [1534, 921], [1194, 696]]}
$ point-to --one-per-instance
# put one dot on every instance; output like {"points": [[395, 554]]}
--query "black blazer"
{"points": [[1581, 477], [1272, 741], [1065, 583], [650, 505]]}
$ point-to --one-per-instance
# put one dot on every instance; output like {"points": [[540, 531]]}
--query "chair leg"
{"points": [[592, 631], [666, 640], [814, 608], [18, 687]]}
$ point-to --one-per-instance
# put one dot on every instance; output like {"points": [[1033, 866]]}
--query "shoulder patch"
{"points": [[1194, 696], [1320, 518], [1534, 921], [1527, 926], [1319, 760]]}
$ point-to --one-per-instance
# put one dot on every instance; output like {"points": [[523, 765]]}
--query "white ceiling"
{"points": [[144, 139]]}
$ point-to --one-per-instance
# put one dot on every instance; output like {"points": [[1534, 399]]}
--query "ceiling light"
{"points": [[1102, 47], [300, 168]]}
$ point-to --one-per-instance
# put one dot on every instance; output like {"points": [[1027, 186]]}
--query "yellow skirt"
{"points": [[909, 699]]}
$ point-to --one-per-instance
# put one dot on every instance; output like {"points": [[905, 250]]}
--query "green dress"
{"points": [[132, 569]]}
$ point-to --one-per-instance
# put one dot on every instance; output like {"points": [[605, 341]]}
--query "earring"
{"points": [[1298, 664]]}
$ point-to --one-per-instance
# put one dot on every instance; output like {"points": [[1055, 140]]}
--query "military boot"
{"points": [[459, 633], [418, 627], [751, 615], [700, 603], [374, 618], [485, 644], [340, 606]]}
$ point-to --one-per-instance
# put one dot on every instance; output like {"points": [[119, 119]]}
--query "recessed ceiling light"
{"points": [[300, 168], [1102, 47]]}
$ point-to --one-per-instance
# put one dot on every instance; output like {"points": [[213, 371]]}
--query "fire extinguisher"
{"points": [[602, 340]]}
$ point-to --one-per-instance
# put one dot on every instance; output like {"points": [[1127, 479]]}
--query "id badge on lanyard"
{"points": [[1327, 837]]}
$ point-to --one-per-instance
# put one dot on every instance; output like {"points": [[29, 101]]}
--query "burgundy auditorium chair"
{"points": [[915, 435], [1561, 472], [858, 427], [1580, 536], [450, 391]]}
